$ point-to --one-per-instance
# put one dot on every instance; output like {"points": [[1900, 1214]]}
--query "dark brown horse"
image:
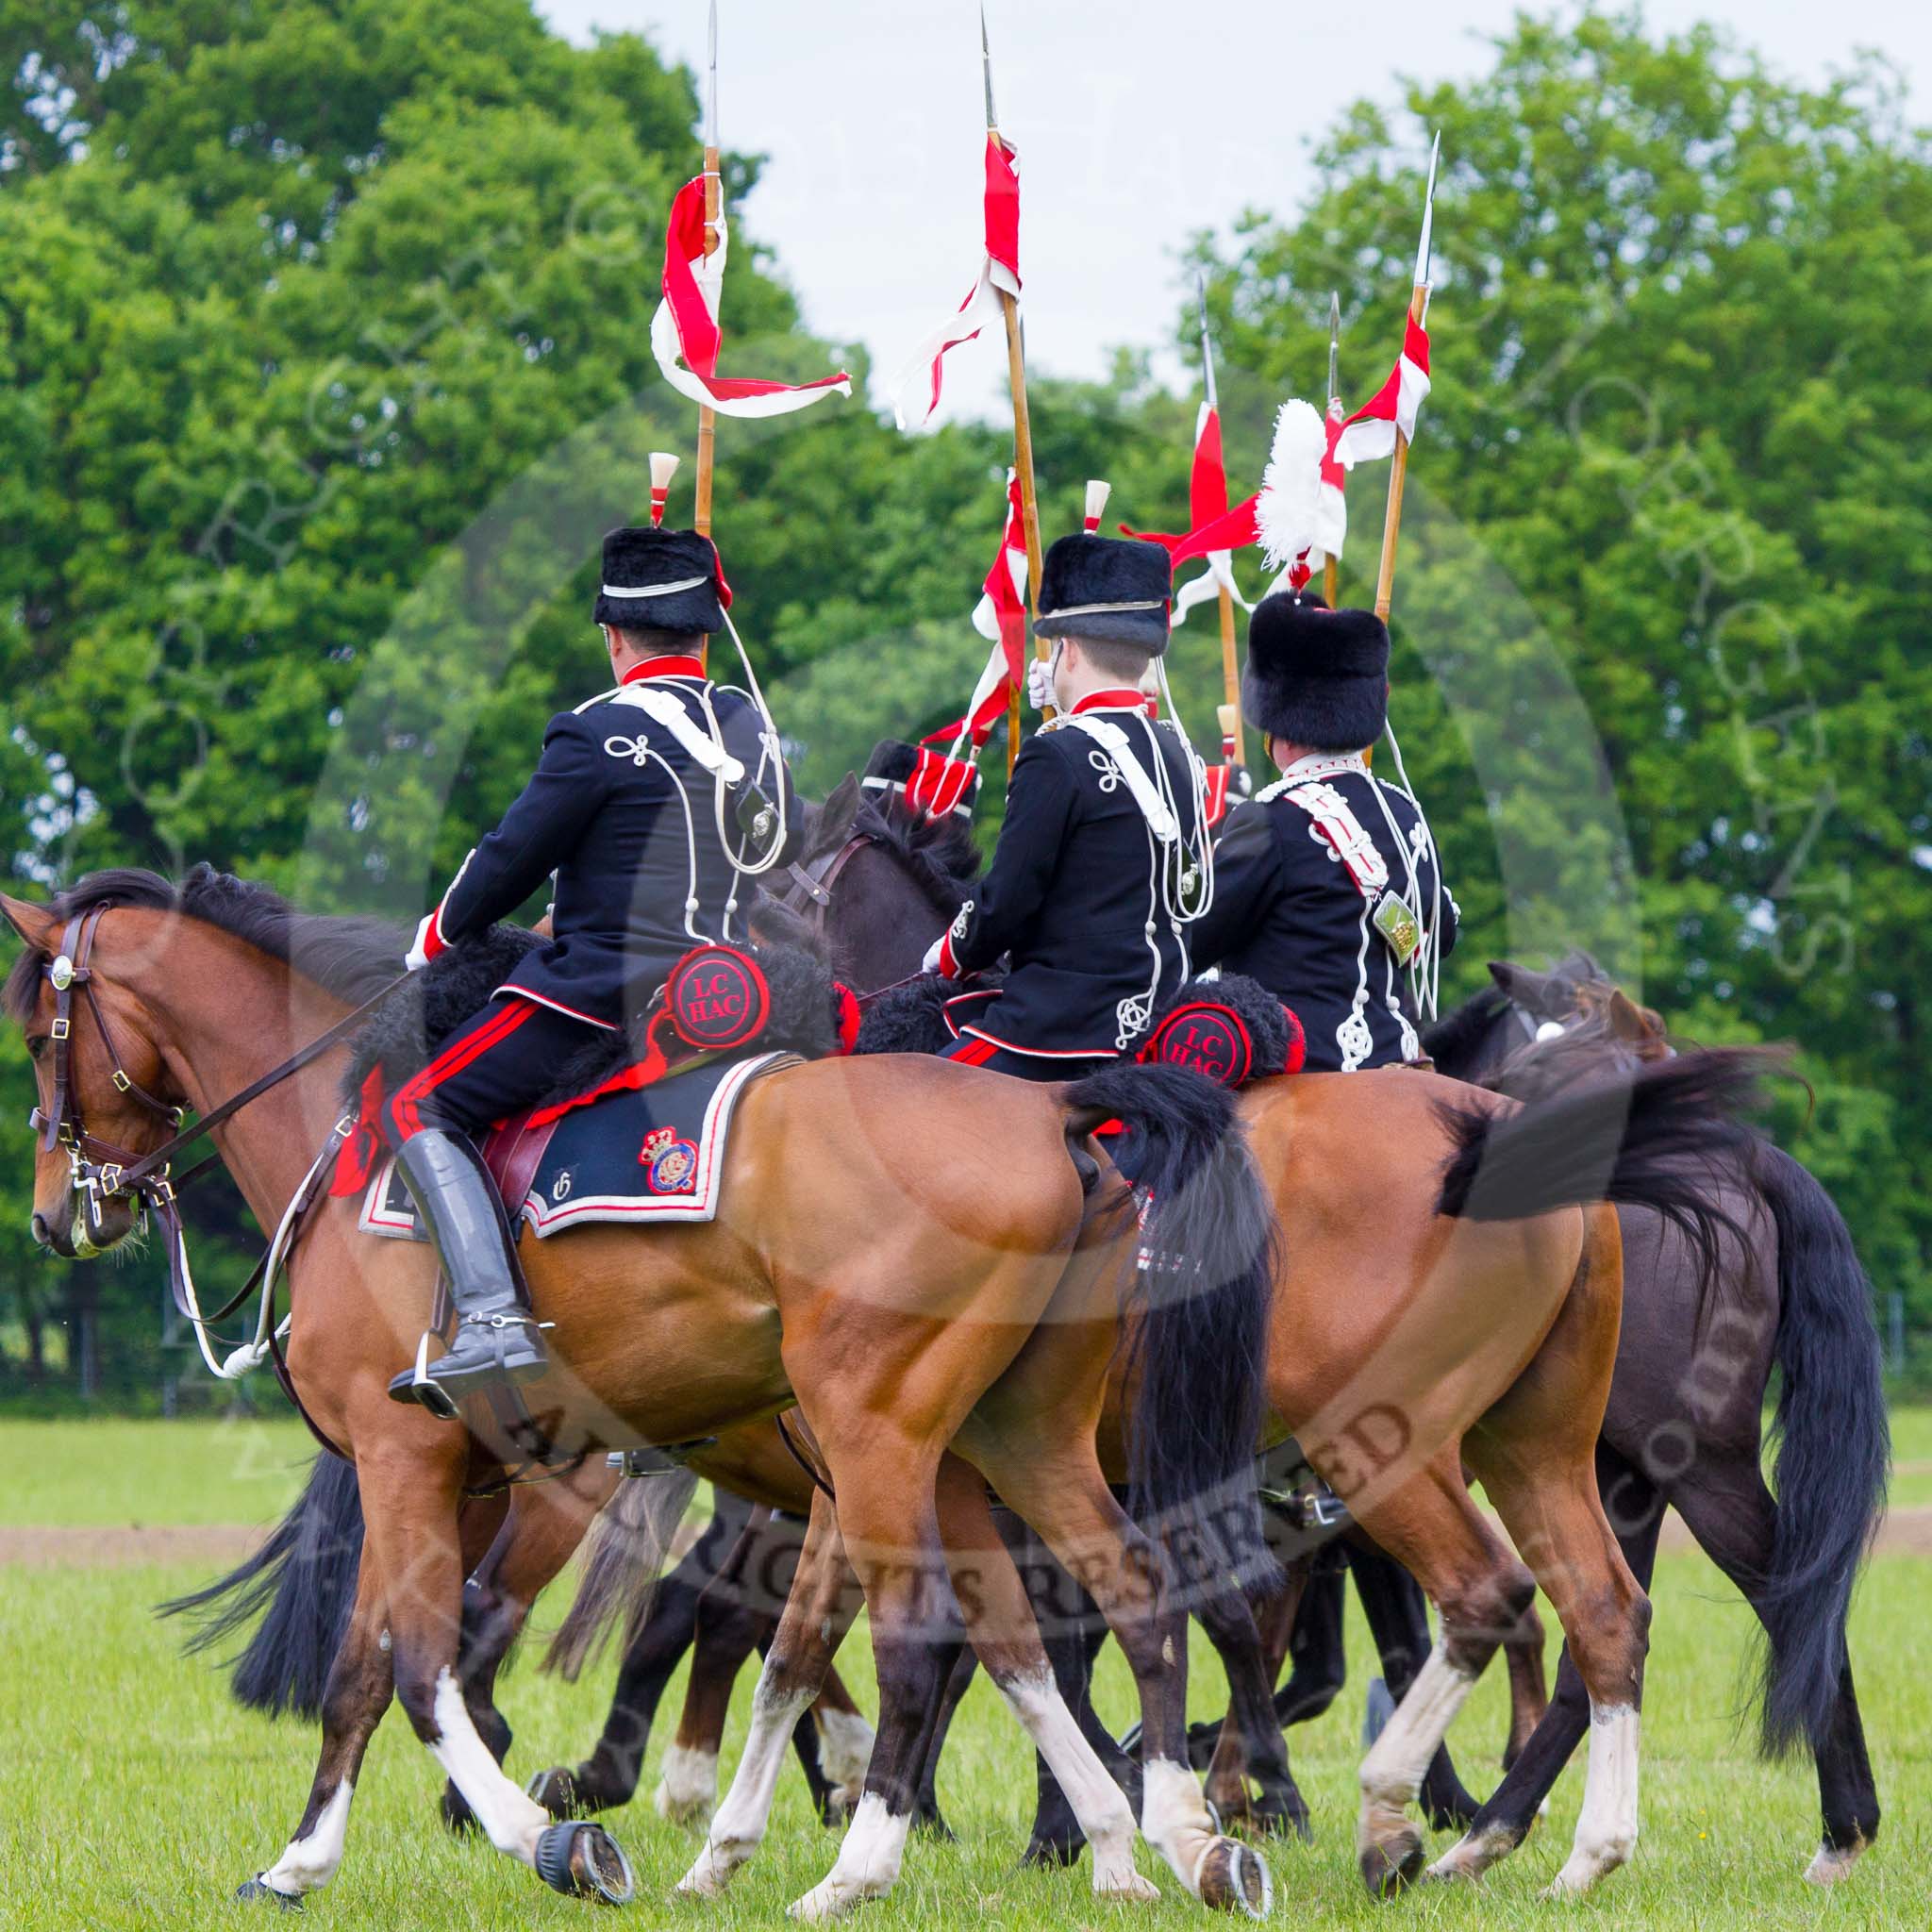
{"points": [[903, 1290], [1684, 1423]]}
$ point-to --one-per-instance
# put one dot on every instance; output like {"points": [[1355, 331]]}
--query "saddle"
{"points": [[636, 1128]]}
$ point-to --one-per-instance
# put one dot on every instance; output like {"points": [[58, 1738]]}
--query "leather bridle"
{"points": [[99, 1169], [813, 880]]}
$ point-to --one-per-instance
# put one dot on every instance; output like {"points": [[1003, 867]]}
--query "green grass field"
{"points": [[133, 1795]]}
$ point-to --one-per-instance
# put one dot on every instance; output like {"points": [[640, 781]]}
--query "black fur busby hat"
{"points": [[1316, 677], [1107, 587], [661, 580]]}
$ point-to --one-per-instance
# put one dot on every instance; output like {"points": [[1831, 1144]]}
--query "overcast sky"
{"points": [[1138, 122]]}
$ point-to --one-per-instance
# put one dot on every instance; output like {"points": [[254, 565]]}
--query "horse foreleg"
{"points": [[845, 1741], [359, 1686], [818, 1612], [1529, 1685], [542, 1526], [410, 1475]]}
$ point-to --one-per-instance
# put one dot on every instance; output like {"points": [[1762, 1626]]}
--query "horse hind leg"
{"points": [[818, 1612], [1429, 1524]]}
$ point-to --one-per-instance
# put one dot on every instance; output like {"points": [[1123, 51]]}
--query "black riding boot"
{"points": [[496, 1334]]}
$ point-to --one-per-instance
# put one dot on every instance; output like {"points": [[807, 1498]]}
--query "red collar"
{"points": [[663, 667], [1122, 698]]}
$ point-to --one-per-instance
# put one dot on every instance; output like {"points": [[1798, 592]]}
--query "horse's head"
{"points": [[106, 1095], [1580, 1021]]}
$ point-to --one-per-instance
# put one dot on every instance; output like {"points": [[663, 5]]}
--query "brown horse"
{"points": [[890, 1280]]}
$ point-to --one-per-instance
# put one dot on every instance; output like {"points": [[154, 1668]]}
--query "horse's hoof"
{"points": [[456, 1815], [1277, 1818], [260, 1891], [1047, 1853], [1832, 1864], [585, 1861], [1393, 1866], [555, 1789], [1233, 1877], [929, 1823]]}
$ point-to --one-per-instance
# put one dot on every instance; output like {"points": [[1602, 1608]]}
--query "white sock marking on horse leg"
{"points": [[310, 1863], [1099, 1804], [1831, 1863], [1175, 1820], [688, 1786], [845, 1741], [513, 1820], [740, 1820], [1392, 1774], [868, 1862], [1473, 1853], [1607, 1826]]}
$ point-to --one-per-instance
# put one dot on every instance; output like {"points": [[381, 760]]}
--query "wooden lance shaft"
{"points": [[1398, 476], [1029, 505], [708, 417], [1231, 681], [1331, 567]]}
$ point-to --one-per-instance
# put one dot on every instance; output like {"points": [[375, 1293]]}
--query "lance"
{"points": [[1230, 712], [1331, 567], [1398, 468], [1023, 430], [714, 193]]}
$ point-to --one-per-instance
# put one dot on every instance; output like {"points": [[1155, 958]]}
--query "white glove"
{"points": [[1040, 683], [931, 962], [418, 955]]}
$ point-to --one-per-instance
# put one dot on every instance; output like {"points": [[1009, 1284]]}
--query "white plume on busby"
{"points": [[1295, 510]]}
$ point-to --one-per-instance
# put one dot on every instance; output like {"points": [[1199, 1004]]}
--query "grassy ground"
{"points": [[131, 1794]]}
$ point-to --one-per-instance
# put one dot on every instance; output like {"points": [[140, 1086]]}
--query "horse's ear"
{"points": [[1628, 1020], [833, 822], [35, 924], [1528, 988]]}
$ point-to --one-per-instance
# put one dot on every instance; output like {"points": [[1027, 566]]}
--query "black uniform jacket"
{"points": [[1288, 912], [604, 812], [1074, 895]]}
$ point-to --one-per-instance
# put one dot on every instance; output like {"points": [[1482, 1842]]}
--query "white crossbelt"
{"points": [[668, 711], [1114, 741]]}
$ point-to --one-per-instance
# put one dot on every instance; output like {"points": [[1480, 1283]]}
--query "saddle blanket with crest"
{"points": [[638, 1155]]}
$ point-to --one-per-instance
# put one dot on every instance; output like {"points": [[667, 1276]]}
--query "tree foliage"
{"points": [[324, 328]]}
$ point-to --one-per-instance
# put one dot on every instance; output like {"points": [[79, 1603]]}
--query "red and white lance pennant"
{"points": [[916, 389], [1000, 616], [1207, 508], [1369, 435], [684, 332]]}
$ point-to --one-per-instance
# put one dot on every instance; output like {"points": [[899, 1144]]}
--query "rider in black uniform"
{"points": [[1101, 857], [1327, 889], [624, 807]]}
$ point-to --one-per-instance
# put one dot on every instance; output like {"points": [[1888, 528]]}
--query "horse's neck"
{"points": [[228, 1017]]}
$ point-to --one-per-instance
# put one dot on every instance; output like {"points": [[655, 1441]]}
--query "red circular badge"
{"points": [[717, 998], [1210, 1038]]}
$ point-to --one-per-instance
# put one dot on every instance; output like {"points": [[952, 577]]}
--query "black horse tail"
{"points": [[1201, 1295], [1648, 1138], [303, 1576], [1834, 1448]]}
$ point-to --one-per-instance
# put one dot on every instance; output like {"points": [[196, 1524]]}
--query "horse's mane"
{"points": [[939, 856], [1462, 1029], [352, 957]]}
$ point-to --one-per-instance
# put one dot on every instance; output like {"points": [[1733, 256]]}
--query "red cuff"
{"points": [[433, 941], [949, 965]]}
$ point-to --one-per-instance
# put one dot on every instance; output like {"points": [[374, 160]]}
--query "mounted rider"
{"points": [[1327, 887], [1103, 859], [650, 802]]}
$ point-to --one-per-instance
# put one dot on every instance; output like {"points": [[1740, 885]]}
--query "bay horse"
{"points": [[908, 1294], [1499, 1355]]}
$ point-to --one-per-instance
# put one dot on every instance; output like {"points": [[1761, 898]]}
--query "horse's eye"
{"points": [[37, 1046]]}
